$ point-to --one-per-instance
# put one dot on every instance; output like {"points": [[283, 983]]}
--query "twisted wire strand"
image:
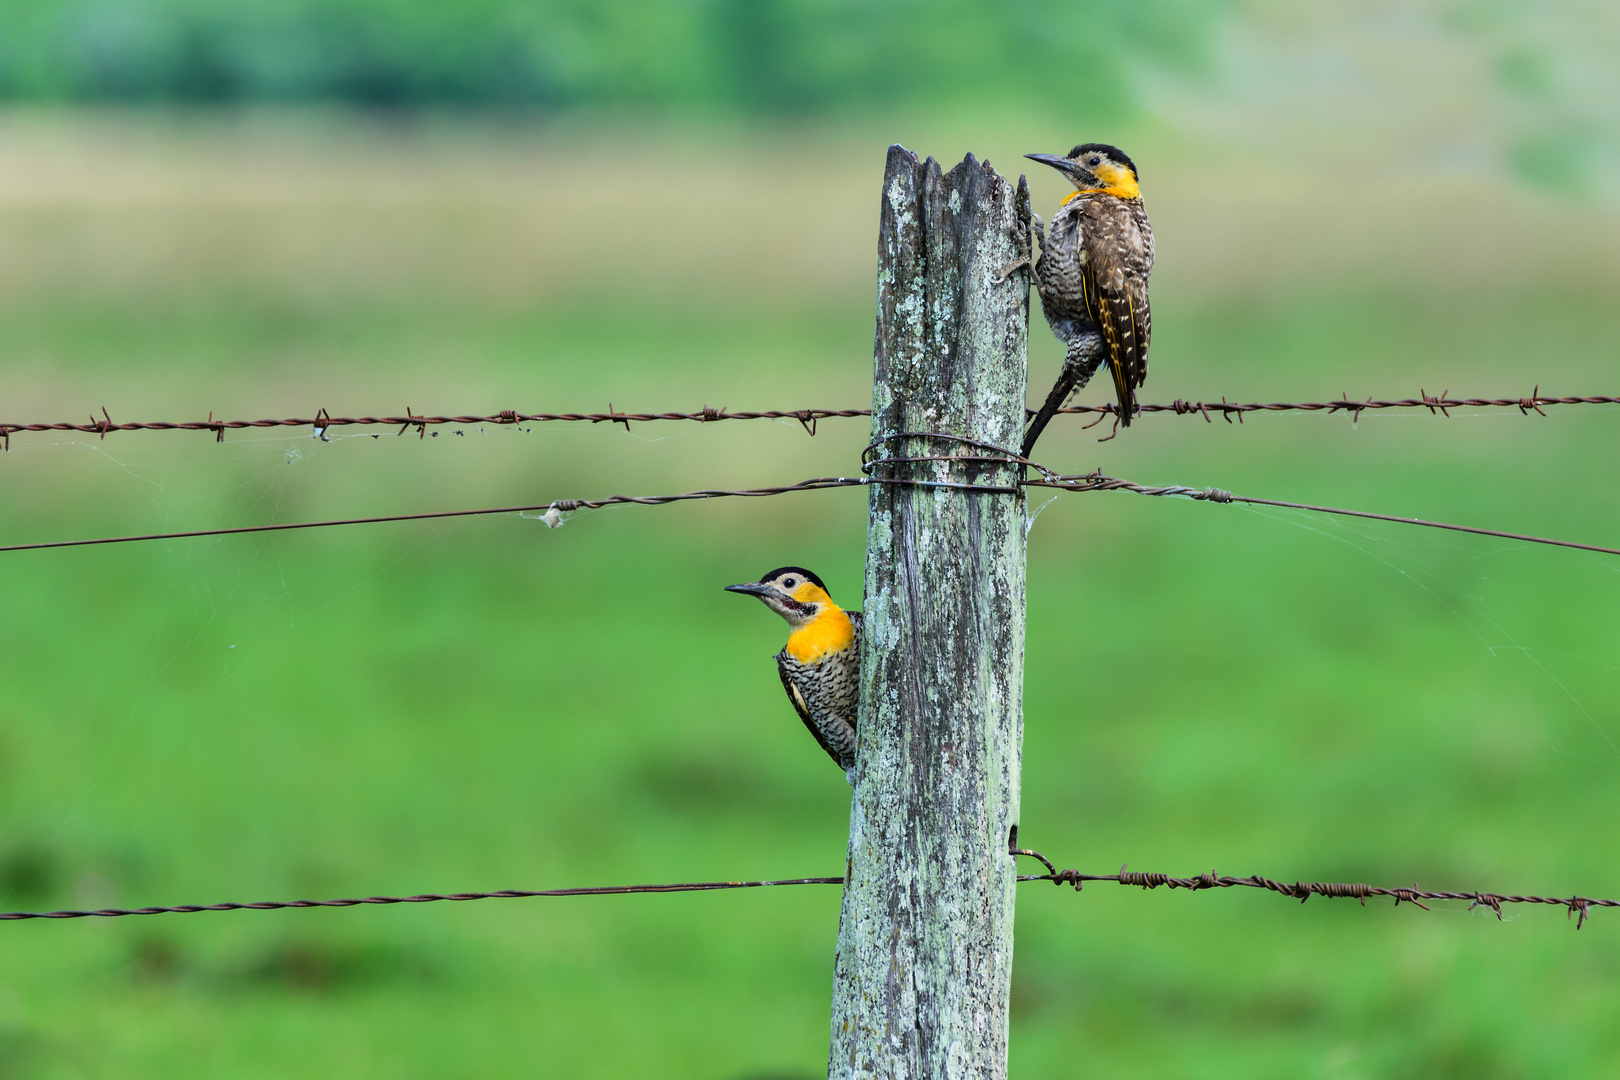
{"points": [[1098, 482], [420, 898], [1087, 482], [560, 506], [1002, 456], [322, 421]]}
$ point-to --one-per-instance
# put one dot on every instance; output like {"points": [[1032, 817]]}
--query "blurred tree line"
{"points": [[758, 55]]}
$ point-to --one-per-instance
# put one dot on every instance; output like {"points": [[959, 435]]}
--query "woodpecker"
{"points": [[821, 664], [1093, 278]]}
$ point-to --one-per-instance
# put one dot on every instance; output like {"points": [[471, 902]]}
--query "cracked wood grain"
{"points": [[926, 933]]}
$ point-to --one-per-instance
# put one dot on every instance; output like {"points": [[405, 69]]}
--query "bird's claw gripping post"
{"points": [[1026, 248], [1022, 263]]}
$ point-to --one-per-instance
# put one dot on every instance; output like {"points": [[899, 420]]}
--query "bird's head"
{"points": [[1095, 167], [792, 592]]}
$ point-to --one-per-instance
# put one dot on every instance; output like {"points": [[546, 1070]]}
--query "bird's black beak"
{"points": [[1072, 169], [752, 588]]}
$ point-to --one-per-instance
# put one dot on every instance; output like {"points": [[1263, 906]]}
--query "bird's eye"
{"points": [[789, 582], [1094, 161]]}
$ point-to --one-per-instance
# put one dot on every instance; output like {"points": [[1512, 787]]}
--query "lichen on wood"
{"points": [[925, 939]]}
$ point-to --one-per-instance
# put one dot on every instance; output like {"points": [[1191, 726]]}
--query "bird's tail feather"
{"points": [[1054, 401], [1077, 371], [1127, 398]]}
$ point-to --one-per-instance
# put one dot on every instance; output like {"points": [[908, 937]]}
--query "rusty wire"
{"points": [[322, 421], [1578, 906]]}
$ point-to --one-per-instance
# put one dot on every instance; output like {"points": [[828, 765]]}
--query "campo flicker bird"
{"points": [[821, 664], [1093, 278]]}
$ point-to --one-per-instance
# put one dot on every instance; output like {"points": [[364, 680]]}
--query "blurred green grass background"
{"points": [[494, 704]]}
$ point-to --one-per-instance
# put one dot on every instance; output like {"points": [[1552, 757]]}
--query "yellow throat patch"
{"points": [[1116, 180], [829, 632]]}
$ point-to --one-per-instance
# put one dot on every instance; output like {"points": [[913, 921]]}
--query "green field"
{"points": [[493, 704]]}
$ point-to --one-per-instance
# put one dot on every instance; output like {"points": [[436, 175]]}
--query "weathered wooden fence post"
{"points": [[925, 939]]}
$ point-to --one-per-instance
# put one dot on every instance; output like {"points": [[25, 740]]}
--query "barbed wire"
{"points": [[322, 422], [1579, 906], [1436, 404]]}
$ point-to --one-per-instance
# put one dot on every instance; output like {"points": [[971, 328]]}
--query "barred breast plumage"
{"points": [[826, 694]]}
